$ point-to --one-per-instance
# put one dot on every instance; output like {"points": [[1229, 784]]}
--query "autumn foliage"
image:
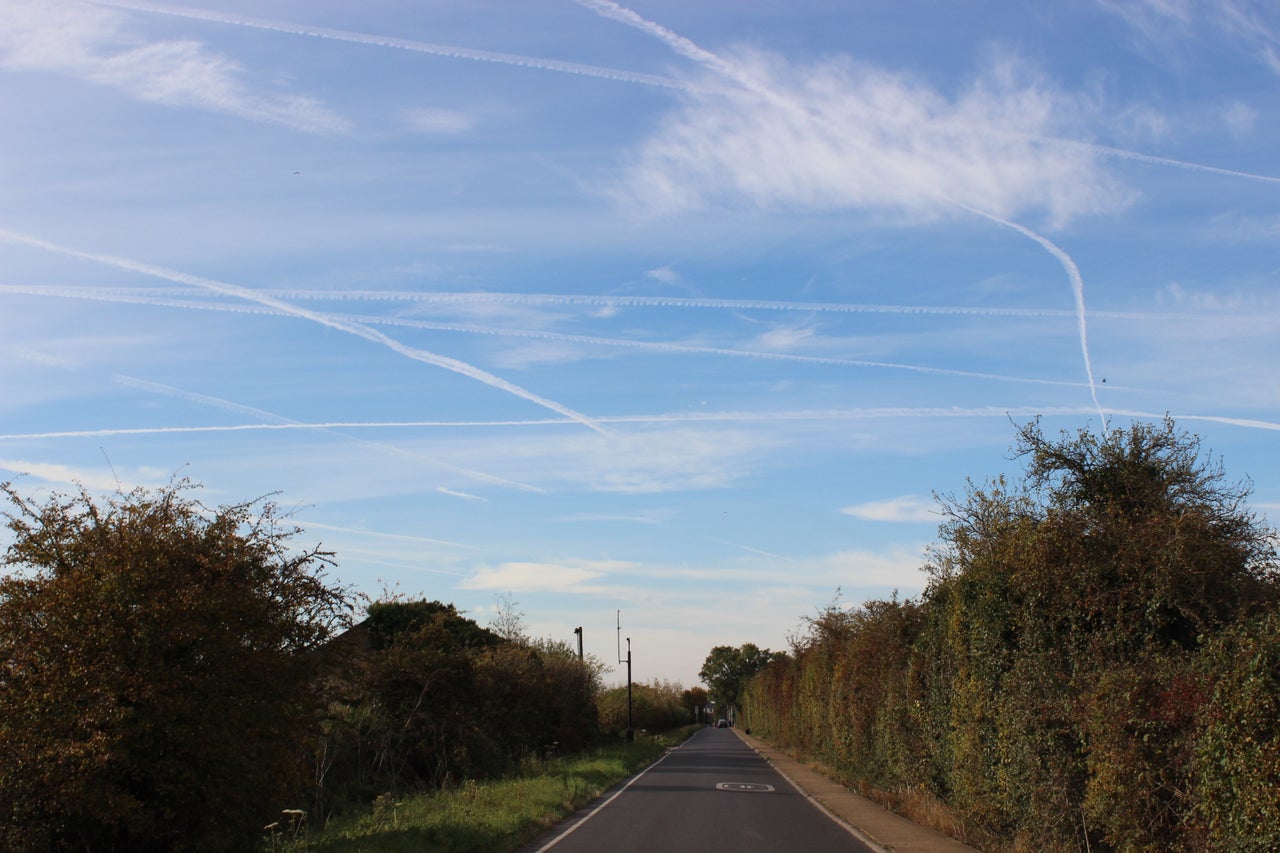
{"points": [[157, 660], [172, 679], [1094, 665], [424, 697]]}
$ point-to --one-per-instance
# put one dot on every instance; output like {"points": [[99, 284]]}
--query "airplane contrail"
{"points": [[153, 296], [357, 329], [1077, 289], [687, 48], [1140, 157], [681, 44], [590, 340], [873, 413], [231, 406], [663, 346], [449, 51]]}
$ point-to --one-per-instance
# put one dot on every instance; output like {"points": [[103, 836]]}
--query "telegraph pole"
{"points": [[631, 732]]}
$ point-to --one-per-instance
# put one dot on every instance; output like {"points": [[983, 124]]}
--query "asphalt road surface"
{"points": [[712, 793]]}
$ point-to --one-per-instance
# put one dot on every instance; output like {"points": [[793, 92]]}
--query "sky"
{"points": [[667, 320]]}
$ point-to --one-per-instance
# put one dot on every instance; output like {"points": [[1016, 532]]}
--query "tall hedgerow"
{"points": [[1092, 665]]}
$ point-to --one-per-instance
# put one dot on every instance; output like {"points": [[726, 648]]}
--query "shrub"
{"points": [[156, 671]]}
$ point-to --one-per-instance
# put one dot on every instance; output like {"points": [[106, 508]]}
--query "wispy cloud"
{"points": [[899, 568], [655, 516], [94, 44], [66, 476], [907, 508], [438, 122], [1236, 227], [569, 576], [837, 137], [1253, 23]]}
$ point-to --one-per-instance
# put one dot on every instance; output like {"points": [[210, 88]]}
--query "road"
{"points": [[713, 793]]}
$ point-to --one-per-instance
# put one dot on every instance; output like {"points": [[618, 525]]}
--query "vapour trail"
{"points": [[148, 296], [357, 329], [885, 413], [1138, 156], [231, 406], [403, 537], [662, 346], [449, 51], [687, 48], [751, 550], [799, 415], [686, 302], [153, 296], [682, 45], [589, 340], [1077, 289]]}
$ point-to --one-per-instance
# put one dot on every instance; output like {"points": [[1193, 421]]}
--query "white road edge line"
{"points": [[848, 827], [562, 836]]}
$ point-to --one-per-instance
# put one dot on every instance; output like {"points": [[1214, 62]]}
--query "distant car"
{"points": [[722, 724]]}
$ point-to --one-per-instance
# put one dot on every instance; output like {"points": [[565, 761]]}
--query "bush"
{"points": [[434, 699], [156, 671]]}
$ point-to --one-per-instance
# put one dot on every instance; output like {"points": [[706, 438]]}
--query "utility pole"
{"points": [[631, 732]]}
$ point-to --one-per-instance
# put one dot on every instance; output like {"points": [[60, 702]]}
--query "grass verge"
{"points": [[488, 817]]}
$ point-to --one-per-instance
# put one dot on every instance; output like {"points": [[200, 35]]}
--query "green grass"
{"points": [[488, 817]]}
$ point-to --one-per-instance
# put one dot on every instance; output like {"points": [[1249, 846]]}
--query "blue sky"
{"points": [[683, 310]]}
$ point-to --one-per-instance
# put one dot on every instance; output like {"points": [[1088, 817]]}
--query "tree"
{"points": [[157, 664], [727, 669], [695, 700]]}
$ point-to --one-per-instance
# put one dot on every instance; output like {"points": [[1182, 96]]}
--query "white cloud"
{"points": [[911, 508], [1161, 22], [651, 516], [785, 337], [65, 476], [842, 136], [898, 568], [643, 461], [1240, 118], [666, 275], [92, 44], [1244, 228], [567, 576], [438, 122]]}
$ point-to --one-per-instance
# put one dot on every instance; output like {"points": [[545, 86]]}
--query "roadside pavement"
{"points": [[873, 823]]}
